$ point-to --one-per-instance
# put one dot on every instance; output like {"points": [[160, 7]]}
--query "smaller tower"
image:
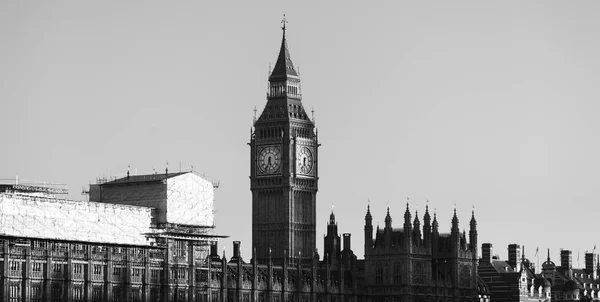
{"points": [[331, 242], [368, 230], [434, 235], [455, 235], [427, 228], [408, 243], [416, 230], [473, 235], [455, 223], [388, 220]]}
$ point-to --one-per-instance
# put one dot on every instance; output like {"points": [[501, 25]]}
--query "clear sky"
{"points": [[465, 103]]}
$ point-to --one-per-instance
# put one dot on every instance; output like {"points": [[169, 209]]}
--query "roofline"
{"points": [[3, 236]]}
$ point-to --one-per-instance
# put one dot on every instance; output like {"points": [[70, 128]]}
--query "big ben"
{"points": [[284, 170]]}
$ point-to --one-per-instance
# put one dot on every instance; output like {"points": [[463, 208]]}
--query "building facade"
{"points": [[518, 279], [133, 243]]}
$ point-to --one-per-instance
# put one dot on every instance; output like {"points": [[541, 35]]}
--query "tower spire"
{"points": [[284, 68]]}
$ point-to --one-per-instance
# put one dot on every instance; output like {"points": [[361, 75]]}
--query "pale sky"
{"points": [[466, 103]]}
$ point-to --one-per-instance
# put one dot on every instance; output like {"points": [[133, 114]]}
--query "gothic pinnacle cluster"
{"points": [[412, 236]]}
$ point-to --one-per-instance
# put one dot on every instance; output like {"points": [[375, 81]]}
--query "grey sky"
{"points": [[460, 102]]}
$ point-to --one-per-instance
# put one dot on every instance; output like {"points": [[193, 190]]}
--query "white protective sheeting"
{"points": [[190, 200], [39, 217]]}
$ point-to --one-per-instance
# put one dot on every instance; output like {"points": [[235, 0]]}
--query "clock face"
{"points": [[269, 159], [305, 160]]}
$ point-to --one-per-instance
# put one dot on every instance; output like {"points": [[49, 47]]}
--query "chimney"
{"points": [[214, 252], [346, 241], [566, 259], [514, 255], [486, 253], [214, 249], [591, 264], [236, 250]]}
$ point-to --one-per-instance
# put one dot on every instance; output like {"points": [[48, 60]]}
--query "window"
{"points": [[418, 272], [397, 273], [36, 293], [136, 294], [36, 266], [97, 269], [77, 268], [97, 295], [180, 248], [57, 293], [378, 273], [117, 271], [57, 267], [116, 294], [15, 265], [14, 292], [181, 296], [77, 294], [39, 244], [155, 294]]}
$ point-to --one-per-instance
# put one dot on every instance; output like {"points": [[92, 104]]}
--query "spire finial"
{"points": [[284, 22]]}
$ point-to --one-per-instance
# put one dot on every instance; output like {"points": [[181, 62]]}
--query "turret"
{"points": [[416, 230], [407, 230], [388, 220], [368, 230], [455, 223], [455, 235], [331, 241], [427, 228], [407, 222], [473, 235]]}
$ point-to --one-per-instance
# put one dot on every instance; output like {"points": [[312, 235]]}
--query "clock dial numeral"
{"points": [[304, 160], [269, 159]]}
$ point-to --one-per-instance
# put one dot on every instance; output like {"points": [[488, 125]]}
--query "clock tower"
{"points": [[283, 170]]}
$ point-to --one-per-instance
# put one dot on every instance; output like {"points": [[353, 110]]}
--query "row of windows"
{"points": [[281, 88]]}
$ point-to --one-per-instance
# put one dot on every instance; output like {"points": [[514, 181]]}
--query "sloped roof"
{"points": [[284, 66]]}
